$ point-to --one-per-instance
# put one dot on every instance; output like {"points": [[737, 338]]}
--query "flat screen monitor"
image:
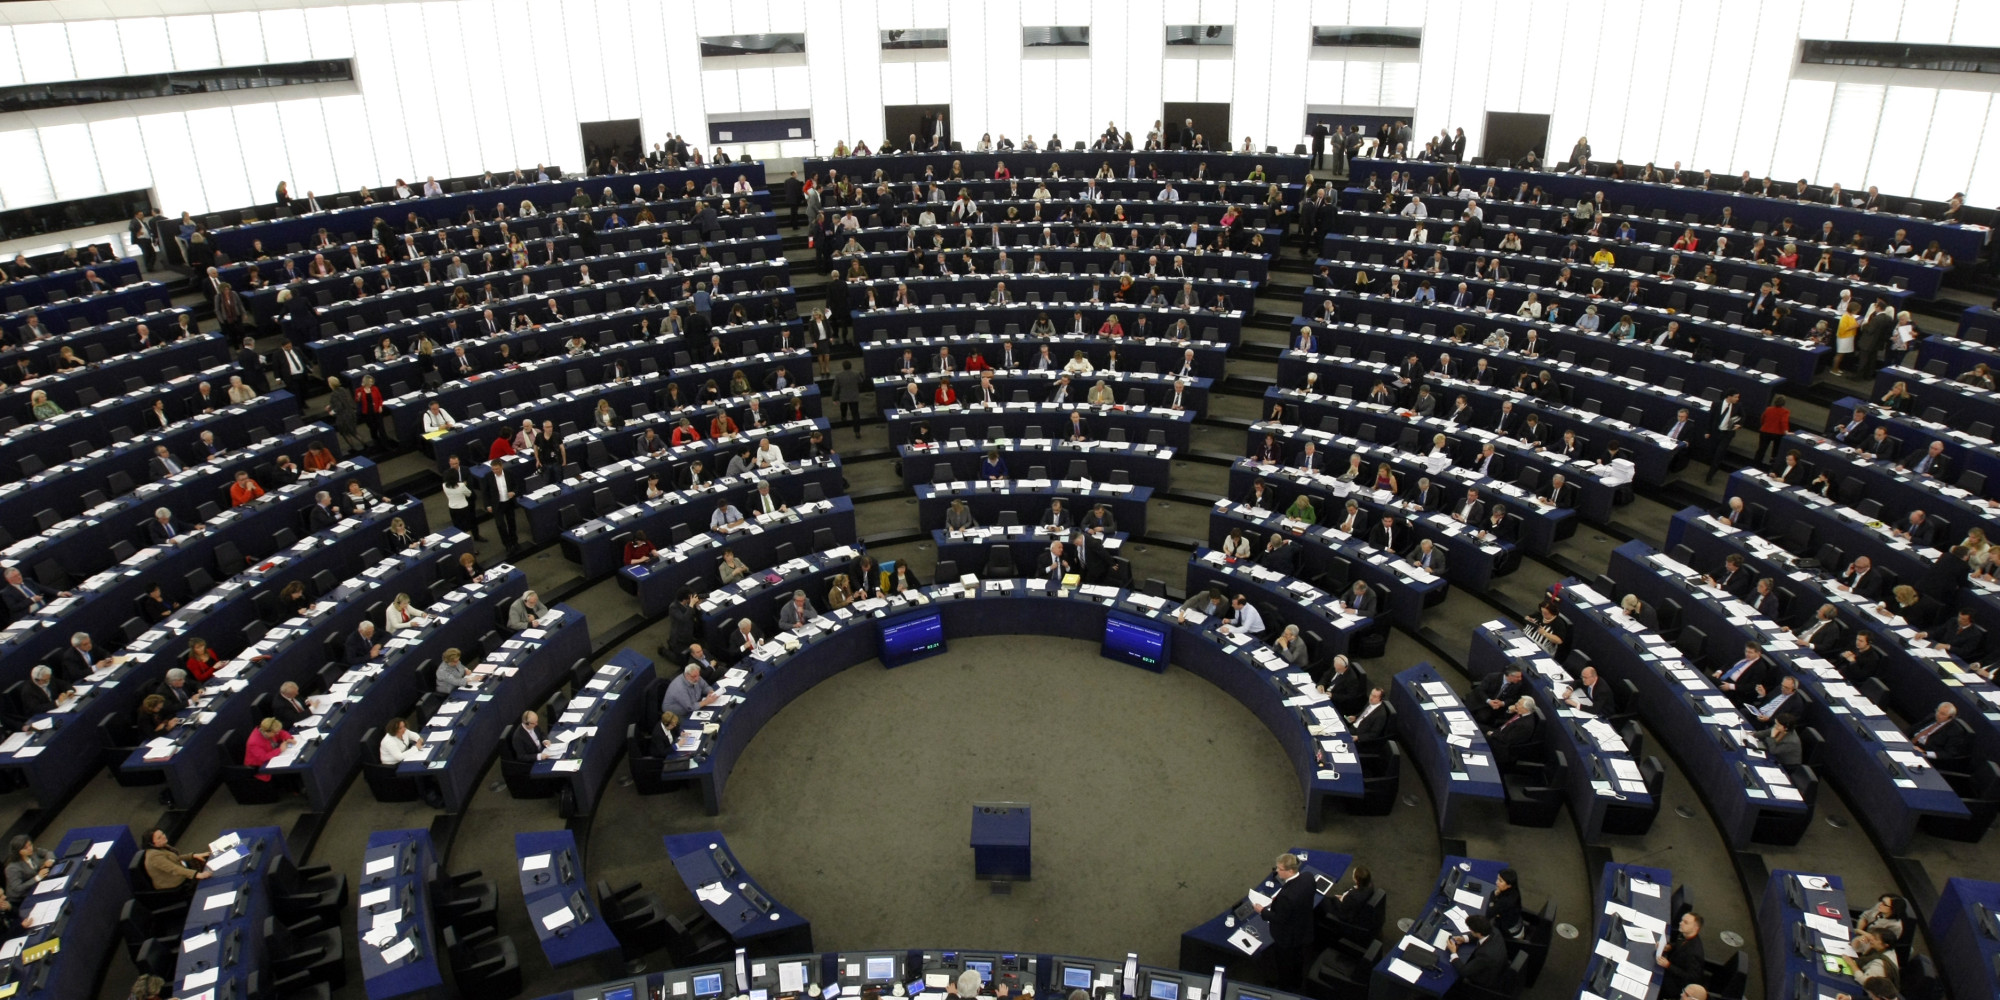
{"points": [[1163, 989], [1075, 977], [909, 638], [622, 991], [880, 969], [1135, 640], [708, 984], [985, 970]]}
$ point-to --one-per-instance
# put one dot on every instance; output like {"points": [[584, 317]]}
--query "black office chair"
{"points": [[638, 920], [697, 943], [999, 562], [483, 966], [465, 902], [1381, 781], [314, 891], [1535, 795], [305, 953], [120, 739], [383, 781], [1338, 973]]}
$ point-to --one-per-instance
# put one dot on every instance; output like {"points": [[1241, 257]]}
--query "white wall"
{"points": [[456, 86]]}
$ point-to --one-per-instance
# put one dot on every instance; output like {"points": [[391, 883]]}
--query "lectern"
{"points": [[1000, 835]]}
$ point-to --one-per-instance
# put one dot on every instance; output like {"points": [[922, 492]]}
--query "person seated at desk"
{"points": [[1244, 618], [1785, 701], [1514, 733], [1823, 633], [402, 614], [1682, 957], [525, 739], [1640, 611], [526, 612], [1748, 678], [797, 613], [322, 514], [1055, 519], [1547, 627], [1860, 578], [1780, 742], [638, 549], [1735, 578], [468, 571], [1496, 693], [1592, 694], [959, 518], [663, 740], [1932, 462], [726, 518], [1302, 510], [1504, 908], [153, 717], [1076, 429], [1205, 602], [1943, 739], [24, 597], [42, 693], [288, 708], [168, 868], [1361, 600], [1054, 564], [1961, 637], [1424, 496], [165, 529], [1099, 521], [1425, 555], [1291, 646], [400, 537], [398, 740], [1886, 918], [1919, 611], [1880, 447], [201, 661], [1916, 529], [264, 744], [744, 640], [361, 645], [993, 468], [1734, 514], [1480, 955]]}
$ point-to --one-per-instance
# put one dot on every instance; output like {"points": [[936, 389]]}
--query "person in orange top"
{"points": [[244, 489], [319, 457], [201, 660], [684, 432], [1771, 431], [502, 448], [721, 425]]}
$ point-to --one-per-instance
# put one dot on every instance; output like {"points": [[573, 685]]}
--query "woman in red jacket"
{"points": [[201, 661], [1772, 429], [368, 400], [721, 425]]}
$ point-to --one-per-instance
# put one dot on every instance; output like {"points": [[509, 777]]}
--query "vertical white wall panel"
{"points": [[121, 154], [1901, 139], [353, 143], [266, 160], [826, 64], [44, 53], [239, 38], [225, 177], [302, 124], [193, 40], [1954, 140], [10, 60], [95, 48], [176, 176], [284, 34], [381, 94], [72, 161]]}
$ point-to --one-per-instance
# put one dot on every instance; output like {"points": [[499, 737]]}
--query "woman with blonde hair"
{"points": [[264, 744], [839, 594], [402, 614]]}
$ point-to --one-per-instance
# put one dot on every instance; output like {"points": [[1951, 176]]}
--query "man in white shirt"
{"points": [[1243, 618], [436, 419], [725, 518]]}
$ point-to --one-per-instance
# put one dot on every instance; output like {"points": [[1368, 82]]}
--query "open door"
{"points": [[1510, 137], [604, 140], [928, 124], [1210, 120]]}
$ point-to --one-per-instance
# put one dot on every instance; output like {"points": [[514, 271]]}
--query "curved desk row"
{"points": [[1234, 943], [351, 221], [135, 298], [1854, 532], [121, 372], [1795, 908], [192, 756], [1967, 446], [397, 938], [76, 912], [597, 544], [1223, 164], [913, 352], [729, 896], [1605, 785], [223, 946], [946, 460], [1419, 966], [1029, 501], [1935, 396], [1017, 386], [1025, 545], [979, 289], [1716, 745], [1965, 923], [1858, 474], [1864, 753], [765, 541], [1328, 553], [1629, 898], [590, 730], [368, 695], [1639, 359], [1328, 626], [1304, 724], [1149, 424], [1078, 260], [1070, 317], [1449, 751], [55, 286]]}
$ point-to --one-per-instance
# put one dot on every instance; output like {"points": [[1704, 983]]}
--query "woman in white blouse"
{"points": [[402, 614], [398, 741], [1236, 546]]}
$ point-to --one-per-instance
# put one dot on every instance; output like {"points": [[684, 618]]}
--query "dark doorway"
{"points": [[1510, 137], [1211, 122], [902, 121], [604, 140]]}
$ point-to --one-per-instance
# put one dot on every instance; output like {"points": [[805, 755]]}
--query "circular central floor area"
{"points": [[1157, 800]]}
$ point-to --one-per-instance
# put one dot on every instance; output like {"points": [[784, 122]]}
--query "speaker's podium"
{"points": [[1000, 841]]}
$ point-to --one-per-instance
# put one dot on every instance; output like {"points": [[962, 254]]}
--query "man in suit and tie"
{"points": [[1425, 496], [1386, 534], [1427, 557], [1862, 579], [1917, 529], [1961, 637], [1480, 955], [1749, 678], [1470, 511], [288, 708], [1592, 694], [323, 514], [75, 661], [1345, 685], [1561, 493], [526, 741], [1735, 577], [1310, 460], [1290, 914], [174, 688], [1370, 723], [25, 597], [1881, 447], [1764, 599], [1784, 701], [1496, 694], [165, 529], [1175, 399], [163, 463], [1930, 462], [42, 693], [1361, 600], [1723, 419], [1943, 740], [292, 368], [1849, 433], [501, 503], [1733, 514], [361, 645], [1487, 462]]}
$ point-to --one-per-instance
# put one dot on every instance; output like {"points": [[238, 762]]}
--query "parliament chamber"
{"points": [[1275, 552]]}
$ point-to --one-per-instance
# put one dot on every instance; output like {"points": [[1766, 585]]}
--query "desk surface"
{"points": [[552, 882], [1464, 887], [731, 897], [397, 944]]}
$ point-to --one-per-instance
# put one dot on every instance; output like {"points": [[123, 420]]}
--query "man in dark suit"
{"points": [[166, 529], [42, 693], [1682, 957], [1481, 955], [1351, 907], [1361, 600], [75, 661], [1592, 694], [1053, 564], [500, 503], [361, 645], [1962, 637], [1784, 701], [1765, 600], [1862, 579], [1290, 913], [1470, 511], [1425, 496], [525, 741], [1917, 530], [1735, 577], [1387, 534], [163, 463], [1371, 724], [1748, 678], [25, 597], [288, 708], [1881, 446], [665, 735], [1496, 694], [1511, 738], [1943, 739], [1823, 632], [292, 367], [1346, 686], [1723, 418], [1861, 662], [1932, 462], [323, 514]]}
